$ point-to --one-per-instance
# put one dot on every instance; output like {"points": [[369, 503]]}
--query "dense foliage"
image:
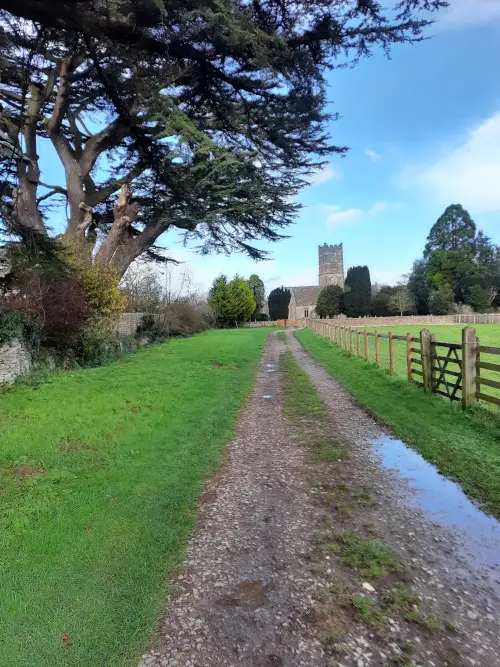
{"points": [[380, 302], [417, 284], [165, 116], [278, 302], [15, 325], [460, 266], [358, 291], [259, 294], [232, 301], [330, 301]]}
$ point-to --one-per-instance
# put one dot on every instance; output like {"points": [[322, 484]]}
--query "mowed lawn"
{"points": [[488, 334], [100, 473], [465, 446]]}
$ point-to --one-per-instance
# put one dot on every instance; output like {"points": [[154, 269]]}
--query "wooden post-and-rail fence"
{"points": [[449, 369]]}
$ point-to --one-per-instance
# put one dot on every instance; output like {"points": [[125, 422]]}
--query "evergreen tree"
{"points": [[232, 302], [330, 301], [259, 294], [278, 302], [456, 256], [441, 300], [208, 117], [454, 230], [357, 297], [380, 302], [418, 287], [478, 298]]}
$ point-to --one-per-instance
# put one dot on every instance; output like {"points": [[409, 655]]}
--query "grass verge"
{"points": [[100, 472], [308, 412], [464, 446]]}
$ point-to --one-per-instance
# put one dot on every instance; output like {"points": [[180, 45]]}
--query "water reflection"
{"points": [[445, 503]]}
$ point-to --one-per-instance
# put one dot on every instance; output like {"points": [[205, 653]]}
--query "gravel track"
{"points": [[247, 594]]}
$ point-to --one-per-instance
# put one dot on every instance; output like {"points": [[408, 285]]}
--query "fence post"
{"points": [[367, 351], [478, 370], [392, 365], [351, 345], [426, 352], [468, 367], [408, 357], [377, 349], [358, 342]]}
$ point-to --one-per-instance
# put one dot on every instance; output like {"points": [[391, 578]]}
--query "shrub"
{"points": [[183, 318], [262, 317], [180, 318], [56, 304], [98, 345], [151, 328], [100, 285], [14, 324]]}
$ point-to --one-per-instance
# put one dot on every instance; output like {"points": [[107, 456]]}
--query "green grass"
{"points": [[371, 558], [463, 445], [488, 334], [100, 473], [308, 413], [301, 401]]}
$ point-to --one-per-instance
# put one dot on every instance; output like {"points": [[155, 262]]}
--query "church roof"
{"points": [[306, 296]]}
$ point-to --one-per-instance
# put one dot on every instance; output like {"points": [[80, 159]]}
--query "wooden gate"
{"points": [[446, 380]]}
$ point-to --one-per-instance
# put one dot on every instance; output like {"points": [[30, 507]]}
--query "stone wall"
{"points": [[14, 361]]}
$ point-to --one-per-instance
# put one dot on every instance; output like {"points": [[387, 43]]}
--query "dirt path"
{"points": [[263, 582]]}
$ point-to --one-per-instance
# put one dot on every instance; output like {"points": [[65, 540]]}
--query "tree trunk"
{"points": [[25, 203]]}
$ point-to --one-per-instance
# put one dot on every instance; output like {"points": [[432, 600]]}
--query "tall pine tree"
{"points": [[454, 230], [358, 292]]}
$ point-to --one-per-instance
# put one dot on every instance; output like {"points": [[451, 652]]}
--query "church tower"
{"points": [[331, 265]]}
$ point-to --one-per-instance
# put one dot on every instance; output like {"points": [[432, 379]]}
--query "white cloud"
{"points": [[468, 13], [336, 216], [386, 207], [468, 173], [328, 173], [345, 217], [373, 155]]}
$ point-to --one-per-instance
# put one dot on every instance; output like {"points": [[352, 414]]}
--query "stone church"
{"points": [[331, 272]]}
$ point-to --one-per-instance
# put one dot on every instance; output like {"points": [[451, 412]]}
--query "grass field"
{"points": [[465, 446], [488, 334], [100, 472]]}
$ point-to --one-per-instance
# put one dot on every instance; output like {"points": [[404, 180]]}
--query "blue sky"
{"points": [[424, 132]]}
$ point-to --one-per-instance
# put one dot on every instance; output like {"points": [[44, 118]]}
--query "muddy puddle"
{"points": [[444, 503]]}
